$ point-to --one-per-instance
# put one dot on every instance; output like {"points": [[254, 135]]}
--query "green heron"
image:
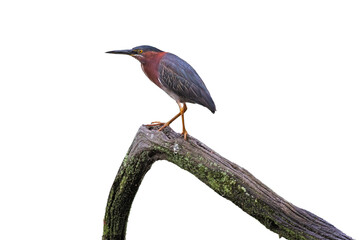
{"points": [[173, 75]]}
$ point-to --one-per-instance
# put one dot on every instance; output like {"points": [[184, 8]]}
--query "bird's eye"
{"points": [[140, 51]]}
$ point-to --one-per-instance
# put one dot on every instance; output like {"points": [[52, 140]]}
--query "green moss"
{"points": [[214, 184], [123, 182], [125, 159], [106, 230]]}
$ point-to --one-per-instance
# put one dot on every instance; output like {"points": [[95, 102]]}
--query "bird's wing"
{"points": [[179, 78]]}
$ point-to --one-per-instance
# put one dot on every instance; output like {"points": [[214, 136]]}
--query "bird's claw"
{"points": [[184, 133], [156, 123], [164, 126]]}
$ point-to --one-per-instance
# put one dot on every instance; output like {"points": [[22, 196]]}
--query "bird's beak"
{"points": [[126, 52]]}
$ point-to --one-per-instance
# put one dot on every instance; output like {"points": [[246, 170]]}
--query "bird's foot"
{"points": [[156, 123], [184, 133], [164, 126]]}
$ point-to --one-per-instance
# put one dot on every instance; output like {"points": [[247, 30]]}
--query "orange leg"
{"points": [[182, 111], [169, 122], [164, 125]]}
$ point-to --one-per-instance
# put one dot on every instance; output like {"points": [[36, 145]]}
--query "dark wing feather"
{"points": [[181, 80]]}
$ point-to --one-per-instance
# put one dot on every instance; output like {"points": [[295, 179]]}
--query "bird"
{"points": [[173, 75]]}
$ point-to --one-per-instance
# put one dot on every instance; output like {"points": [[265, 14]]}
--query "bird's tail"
{"points": [[212, 106], [209, 103]]}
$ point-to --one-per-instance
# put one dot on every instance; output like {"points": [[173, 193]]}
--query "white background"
{"points": [[284, 76]]}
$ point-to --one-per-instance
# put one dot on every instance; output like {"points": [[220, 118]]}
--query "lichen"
{"points": [[176, 148]]}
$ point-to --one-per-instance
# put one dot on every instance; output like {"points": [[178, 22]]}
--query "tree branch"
{"points": [[224, 177]]}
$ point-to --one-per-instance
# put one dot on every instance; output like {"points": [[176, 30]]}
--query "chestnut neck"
{"points": [[150, 65]]}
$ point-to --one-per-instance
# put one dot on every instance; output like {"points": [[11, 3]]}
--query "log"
{"points": [[224, 177]]}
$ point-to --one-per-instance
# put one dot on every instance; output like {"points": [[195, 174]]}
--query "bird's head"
{"points": [[140, 52]]}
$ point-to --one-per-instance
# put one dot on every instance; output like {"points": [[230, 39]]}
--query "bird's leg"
{"points": [[175, 117], [182, 111], [169, 122]]}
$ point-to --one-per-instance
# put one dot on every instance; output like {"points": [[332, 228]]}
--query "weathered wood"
{"points": [[224, 177]]}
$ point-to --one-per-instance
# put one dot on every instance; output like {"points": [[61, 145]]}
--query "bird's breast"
{"points": [[151, 66]]}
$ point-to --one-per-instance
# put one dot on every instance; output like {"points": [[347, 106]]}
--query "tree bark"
{"points": [[224, 177]]}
